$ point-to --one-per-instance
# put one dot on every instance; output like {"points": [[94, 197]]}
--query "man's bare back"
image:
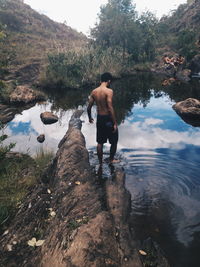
{"points": [[102, 95]]}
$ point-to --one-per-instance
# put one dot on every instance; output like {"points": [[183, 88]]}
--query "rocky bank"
{"points": [[81, 222]]}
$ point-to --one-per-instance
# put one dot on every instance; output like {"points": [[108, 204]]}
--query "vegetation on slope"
{"points": [[180, 31], [27, 37]]}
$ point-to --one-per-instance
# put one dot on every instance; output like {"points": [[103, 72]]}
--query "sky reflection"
{"points": [[150, 128]]}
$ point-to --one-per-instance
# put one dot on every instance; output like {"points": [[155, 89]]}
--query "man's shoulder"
{"points": [[95, 90], [109, 91]]}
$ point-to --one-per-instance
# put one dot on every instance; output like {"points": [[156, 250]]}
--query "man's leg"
{"points": [[100, 152], [113, 149], [113, 139]]}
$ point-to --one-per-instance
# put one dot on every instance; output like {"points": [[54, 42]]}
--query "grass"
{"points": [[18, 174], [42, 158]]}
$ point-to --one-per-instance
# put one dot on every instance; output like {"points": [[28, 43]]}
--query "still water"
{"points": [[158, 150]]}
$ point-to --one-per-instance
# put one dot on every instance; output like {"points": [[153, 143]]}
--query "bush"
{"points": [[73, 70], [186, 43]]}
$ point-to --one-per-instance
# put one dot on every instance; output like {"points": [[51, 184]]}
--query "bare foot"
{"points": [[114, 161]]}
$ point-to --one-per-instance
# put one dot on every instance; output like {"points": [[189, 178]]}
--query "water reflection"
{"points": [[164, 185], [25, 128], [159, 151]]}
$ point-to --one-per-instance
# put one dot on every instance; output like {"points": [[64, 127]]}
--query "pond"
{"points": [[158, 150]]}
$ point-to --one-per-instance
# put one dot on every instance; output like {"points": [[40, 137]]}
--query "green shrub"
{"points": [[42, 158], [73, 70], [186, 43], [18, 173]]}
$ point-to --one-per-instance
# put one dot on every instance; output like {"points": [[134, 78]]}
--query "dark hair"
{"points": [[105, 77]]}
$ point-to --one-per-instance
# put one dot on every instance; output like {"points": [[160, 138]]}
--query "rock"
{"points": [[169, 81], [41, 138], [48, 117], [189, 111], [24, 94]]}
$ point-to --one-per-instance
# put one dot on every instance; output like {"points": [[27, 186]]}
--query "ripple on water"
{"points": [[165, 191]]}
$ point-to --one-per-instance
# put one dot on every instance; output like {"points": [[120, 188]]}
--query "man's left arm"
{"points": [[90, 104]]}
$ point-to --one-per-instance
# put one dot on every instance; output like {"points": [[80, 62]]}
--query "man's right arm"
{"points": [[91, 102]]}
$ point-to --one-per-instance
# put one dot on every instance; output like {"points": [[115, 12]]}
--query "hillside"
{"points": [[180, 31], [29, 37], [187, 16]]}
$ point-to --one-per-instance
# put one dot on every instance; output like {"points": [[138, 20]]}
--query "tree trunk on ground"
{"points": [[83, 224]]}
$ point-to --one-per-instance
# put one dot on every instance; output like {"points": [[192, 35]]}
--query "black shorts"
{"points": [[105, 130]]}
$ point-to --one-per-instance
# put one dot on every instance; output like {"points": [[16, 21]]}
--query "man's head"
{"points": [[106, 77]]}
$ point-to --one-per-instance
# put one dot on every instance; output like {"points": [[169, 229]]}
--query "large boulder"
{"points": [[48, 117], [24, 94], [189, 111]]}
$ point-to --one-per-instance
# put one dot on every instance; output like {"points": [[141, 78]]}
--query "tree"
{"points": [[116, 23], [147, 25], [120, 28]]}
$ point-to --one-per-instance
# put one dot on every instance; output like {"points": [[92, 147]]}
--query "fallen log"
{"points": [[69, 219]]}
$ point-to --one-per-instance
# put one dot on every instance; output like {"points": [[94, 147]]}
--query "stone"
{"points": [[189, 111], [48, 117], [41, 138], [24, 94]]}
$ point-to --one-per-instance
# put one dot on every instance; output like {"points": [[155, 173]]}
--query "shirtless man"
{"points": [[106, 121]]}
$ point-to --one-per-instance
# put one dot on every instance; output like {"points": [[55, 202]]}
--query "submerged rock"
{"points": [[48, 117], [152, 254], [189, 111], [24, 94], [41, 138]]}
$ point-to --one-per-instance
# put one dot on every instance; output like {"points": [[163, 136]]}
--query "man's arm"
{"points": [[111, 109], [90, 104]]}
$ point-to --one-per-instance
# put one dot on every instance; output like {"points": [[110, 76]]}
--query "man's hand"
{"points": [[91, 120], [114, 128]]}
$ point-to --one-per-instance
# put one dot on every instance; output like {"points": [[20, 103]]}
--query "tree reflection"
{"points": [[128, 91]]}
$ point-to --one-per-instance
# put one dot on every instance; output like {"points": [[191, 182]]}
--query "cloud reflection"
{"points": [[147, 133]]}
